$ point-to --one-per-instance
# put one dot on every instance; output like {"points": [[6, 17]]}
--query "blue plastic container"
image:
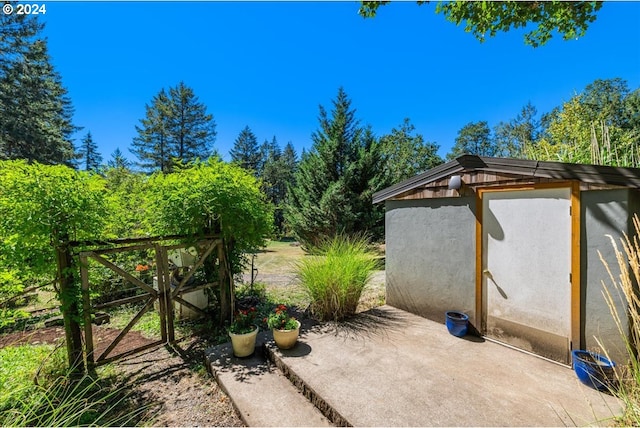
{"points": [[594, 370], [457, 323]]}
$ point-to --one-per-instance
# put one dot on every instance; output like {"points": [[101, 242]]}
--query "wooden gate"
{"points": [[163, 292]]}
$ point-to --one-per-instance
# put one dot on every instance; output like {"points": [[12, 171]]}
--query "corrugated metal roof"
{"points": [[596, 174]]}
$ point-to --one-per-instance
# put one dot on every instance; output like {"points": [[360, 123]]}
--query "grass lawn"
{"points": [[276, 269], [279, 257]]}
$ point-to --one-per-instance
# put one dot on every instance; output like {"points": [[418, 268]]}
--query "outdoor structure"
{"points": [[514, 244]]}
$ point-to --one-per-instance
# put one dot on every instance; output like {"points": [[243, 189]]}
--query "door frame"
{"points": [[574, 186]]}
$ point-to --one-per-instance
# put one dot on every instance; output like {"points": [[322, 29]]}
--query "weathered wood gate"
{"points": [[165, 293]]}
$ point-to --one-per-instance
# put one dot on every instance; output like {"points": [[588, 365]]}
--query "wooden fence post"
{"points": [[226, 285], [70, 307]]}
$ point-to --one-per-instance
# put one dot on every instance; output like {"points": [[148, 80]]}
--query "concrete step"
{"points": [[261, 394]]}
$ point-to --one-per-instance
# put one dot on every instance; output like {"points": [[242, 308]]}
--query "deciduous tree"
{"points": [[406, 154], [518, 137], [473, 139], [487, 18]]}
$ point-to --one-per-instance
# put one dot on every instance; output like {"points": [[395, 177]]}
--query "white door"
{"points": [[526, 257]]}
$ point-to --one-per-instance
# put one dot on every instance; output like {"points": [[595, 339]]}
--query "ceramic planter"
{"points": [[457, 323], [593, 369], [243, 344], [286, 339]]}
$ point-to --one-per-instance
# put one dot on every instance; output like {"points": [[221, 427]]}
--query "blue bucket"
{"points": [[457, 323], [594, 370]]}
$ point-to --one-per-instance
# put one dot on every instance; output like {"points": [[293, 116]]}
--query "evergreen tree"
{"points": [[88, 152], [118, 160], [16, 35], [35, 111], [152, 145], [245, 151], [176, 131], [276, 175], [191, 130], [474, 139], [269, 154], [332, 178], [407, 155]]}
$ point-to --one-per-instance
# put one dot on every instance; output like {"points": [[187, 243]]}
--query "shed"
{"points": [[514, 244]]}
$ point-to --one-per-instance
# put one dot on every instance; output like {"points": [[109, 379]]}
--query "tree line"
{"points": [[600, 125], [327, 189]]}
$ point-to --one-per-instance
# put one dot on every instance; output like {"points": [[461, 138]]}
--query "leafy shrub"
{"points": [[42, 206], [211, 197], [335, 280]]}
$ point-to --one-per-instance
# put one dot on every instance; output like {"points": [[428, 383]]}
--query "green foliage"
{"points": [[482, 18], [517, 137], [597, 126], [118, 160], [148, 324], [89, 155], [40, 207], [176, 129], [56, 400], [19, 366], [127, 200], [336, 178], [245, 151], [277, 175], [407, 155], [474, 139], [211, 197], [10, 287], [244, 321], [280, 319], [35, 110], [335, 279]]}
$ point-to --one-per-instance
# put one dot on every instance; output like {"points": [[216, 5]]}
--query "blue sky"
{"points": [[269, 65]]}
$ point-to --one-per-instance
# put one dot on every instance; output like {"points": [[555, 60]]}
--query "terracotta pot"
{"points": [[244, 344], [286, 339]]}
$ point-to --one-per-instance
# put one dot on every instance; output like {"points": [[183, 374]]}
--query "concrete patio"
{"points": [[391, 368]]}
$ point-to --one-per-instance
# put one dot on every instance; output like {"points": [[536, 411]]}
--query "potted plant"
{"points": [[243, 332], [285, 327]]}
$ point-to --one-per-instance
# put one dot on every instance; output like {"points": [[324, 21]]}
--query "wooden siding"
{"points": [[475, 179]]}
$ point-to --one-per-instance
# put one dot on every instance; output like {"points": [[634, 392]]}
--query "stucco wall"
{"points": [[604, 212], [431, 252]]}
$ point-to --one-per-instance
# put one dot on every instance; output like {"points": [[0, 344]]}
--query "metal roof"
{"points": [[597, 174]]}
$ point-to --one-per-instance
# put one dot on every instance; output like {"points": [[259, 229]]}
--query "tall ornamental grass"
{"points": [[35, 390], [335, 279], [626, 284]]}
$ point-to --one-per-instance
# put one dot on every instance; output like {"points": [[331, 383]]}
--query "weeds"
{"points": [[335, 279], [628, 389]]}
